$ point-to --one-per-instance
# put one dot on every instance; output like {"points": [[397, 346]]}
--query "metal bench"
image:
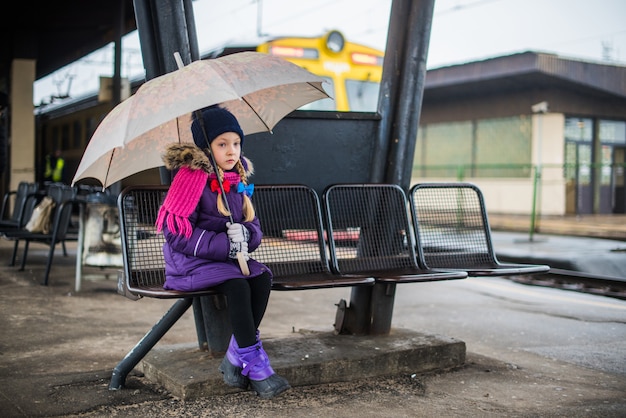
{"points": [[293, 247], [369, 231], [451, 224]]}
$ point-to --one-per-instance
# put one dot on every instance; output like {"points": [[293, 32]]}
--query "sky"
{"points": [[462, 31]]}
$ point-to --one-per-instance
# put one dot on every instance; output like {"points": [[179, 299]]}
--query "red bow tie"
{"points": [[215, 186]]}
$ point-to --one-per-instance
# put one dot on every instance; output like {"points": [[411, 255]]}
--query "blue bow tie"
{"points": [[248, 190]]}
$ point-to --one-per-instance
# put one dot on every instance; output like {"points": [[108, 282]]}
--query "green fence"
{"points": [[573, 177]]}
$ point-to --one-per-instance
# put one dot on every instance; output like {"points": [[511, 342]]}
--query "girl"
{"points": [[202, 244]]}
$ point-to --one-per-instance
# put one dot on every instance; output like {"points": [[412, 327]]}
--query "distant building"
{"points": [[501, 123]]}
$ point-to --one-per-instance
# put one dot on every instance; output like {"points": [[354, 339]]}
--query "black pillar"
{"points": [[390, 85], [408, 105], [162, 27], [402, 90], [400, 105], [117, 60]]}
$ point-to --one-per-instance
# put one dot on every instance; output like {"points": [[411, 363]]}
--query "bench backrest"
{"points": [[142, 246], [60, 217], [63, 196], [293, 237], [369, 229], [451, 225], [24, 189], [293, 245]]}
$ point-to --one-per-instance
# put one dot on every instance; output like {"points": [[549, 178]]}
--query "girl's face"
{"points": [[226, 150]]}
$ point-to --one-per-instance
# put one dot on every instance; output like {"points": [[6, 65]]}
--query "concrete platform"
{"points": [[315, 357], [309, 358], [602, 257], [531, 351], [587, 226]]}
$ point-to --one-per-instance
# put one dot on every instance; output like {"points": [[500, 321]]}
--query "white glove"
{"points": [[237, 232], [238, 247]]}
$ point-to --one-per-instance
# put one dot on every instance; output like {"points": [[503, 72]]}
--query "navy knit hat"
{"points": [[216, 120]]}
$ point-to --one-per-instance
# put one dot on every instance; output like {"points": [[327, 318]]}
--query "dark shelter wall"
{"points": [[316, 149]]}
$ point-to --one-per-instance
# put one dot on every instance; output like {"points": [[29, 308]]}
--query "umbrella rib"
{"points": [[106, 177], [257, 115], [319, 89]]}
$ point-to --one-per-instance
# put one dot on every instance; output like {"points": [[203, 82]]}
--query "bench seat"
{"points": [[451, 223], [385, 245]]}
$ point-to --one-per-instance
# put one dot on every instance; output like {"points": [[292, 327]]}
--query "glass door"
{"points": [[619, 166]]}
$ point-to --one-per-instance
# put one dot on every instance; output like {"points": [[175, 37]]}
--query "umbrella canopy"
{"points": [[259, 89]]}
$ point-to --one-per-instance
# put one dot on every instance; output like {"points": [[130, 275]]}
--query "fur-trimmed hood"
{"points": [[189, 155]]}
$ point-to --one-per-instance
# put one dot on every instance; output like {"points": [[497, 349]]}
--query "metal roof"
{"points": [[523, 71], [59, 32]]}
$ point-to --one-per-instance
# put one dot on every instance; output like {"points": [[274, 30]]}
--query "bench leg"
{"points": [[370, 310], [198, 317], [356, 319], [24, 256], [383, 297], [49, 264], [213, 325], [15, 248], [134, 356], [216, 323]]}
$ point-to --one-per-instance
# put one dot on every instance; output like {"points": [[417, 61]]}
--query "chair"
{"points": [[369, 230], [450, 220], [20, 213], [63, 197]]}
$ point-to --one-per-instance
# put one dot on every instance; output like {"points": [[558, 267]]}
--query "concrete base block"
{"points": [[308, 358]]}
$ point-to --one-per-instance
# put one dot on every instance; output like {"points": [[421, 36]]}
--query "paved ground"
{"points": [[58, 347], [589, 226]]}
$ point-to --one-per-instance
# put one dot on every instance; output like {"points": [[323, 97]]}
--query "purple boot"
{"points": [[256, 366], [231, 367]]}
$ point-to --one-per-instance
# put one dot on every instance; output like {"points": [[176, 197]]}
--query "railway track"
{"points": [[577, 281]]}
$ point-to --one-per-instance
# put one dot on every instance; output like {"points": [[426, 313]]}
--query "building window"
{"points": [[65, 137], [78, 135], [578, 150], [579, 129], [55, 142], [503, 147], [442, 147], [483, 148], [612, 132]]}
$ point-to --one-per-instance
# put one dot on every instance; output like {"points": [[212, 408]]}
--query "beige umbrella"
{"points": [[259, 89]]}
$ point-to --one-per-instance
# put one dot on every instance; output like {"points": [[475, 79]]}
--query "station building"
{"points": [[535, 131]]}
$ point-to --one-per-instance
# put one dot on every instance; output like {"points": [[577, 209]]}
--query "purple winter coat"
{"points": [[202, 261]]}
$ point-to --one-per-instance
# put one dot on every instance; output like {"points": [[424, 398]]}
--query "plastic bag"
{"points": [[40, 220]]}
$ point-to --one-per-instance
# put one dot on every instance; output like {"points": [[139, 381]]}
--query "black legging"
{"points": [[247, 300]]}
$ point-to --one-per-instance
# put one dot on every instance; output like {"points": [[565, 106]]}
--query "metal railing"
{"points": [[538, 181]]}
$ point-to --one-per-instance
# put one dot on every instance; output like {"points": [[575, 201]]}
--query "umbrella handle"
{"points": [[243, 264]]}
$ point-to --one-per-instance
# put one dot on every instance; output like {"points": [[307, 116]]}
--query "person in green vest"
{"points": [[53, 170]]}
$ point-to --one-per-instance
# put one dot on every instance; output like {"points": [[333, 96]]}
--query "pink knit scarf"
{"points": [[183, 197], [181, 200]]}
